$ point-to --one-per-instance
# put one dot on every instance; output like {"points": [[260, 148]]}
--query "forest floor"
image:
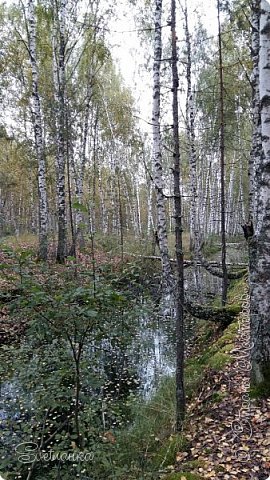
{"points": [[19, 260], [228, 430]]}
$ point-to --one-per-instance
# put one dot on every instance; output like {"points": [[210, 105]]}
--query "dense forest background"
{"points": [[107, 179]]}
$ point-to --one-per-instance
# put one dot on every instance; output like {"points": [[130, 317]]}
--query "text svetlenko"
{"points": [[29, 452]]}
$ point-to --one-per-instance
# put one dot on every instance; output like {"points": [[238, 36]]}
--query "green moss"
{"points": [[233, 328], [182, 476], [237, 290], [219, 361], [227, 348], [234, 309]]}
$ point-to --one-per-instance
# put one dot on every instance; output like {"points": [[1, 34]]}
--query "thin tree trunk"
{"points": [[103, 212], [73, 250], [95, 171], [39, 137], [192, 156], [230, 220], [121, 221], [222, 167], [59, 85], [150, 221], [157, 157], [179, 296]]}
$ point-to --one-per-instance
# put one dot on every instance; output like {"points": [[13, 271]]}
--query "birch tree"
{"points": [[157, 154], [59, 75], [192, 155], [255, 156], [222, 167], [260, 243], [38, 133]]}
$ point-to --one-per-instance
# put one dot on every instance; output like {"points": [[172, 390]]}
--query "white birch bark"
{"points": [[59, 47], [204, 198], [79, 171], [260, 244], [157, 156], [192, 155], [138, 205], [150, 221], [255, 154], [103, 212], [39, 136], [230, 220]]}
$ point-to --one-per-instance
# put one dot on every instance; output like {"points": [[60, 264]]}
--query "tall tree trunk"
{"points": [[59, 85], [157, 157], [179, 294], [259, 245], [222, 167], [192, 156], [256, 148], [39, 137]]}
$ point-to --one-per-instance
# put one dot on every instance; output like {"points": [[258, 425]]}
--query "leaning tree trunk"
{"points": [[179, 294], [260, 243], [39, 137], [157, 156]]}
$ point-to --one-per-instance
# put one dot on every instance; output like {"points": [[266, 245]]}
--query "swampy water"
{"points": [[41, 383], [151, 354]]}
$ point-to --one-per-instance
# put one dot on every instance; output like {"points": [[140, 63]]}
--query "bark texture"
{"points": [[157, 157], [222, 167], [59, 43], [39, 136], [260, 243], [256, 149], [179, 303]]}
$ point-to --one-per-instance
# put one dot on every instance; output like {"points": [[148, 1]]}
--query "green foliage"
{"points": [[73, 379], [237, 291], [149, 444], [80, 330]]}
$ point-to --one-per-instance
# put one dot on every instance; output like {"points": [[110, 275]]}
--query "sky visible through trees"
{"points": [[129, 50]]}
